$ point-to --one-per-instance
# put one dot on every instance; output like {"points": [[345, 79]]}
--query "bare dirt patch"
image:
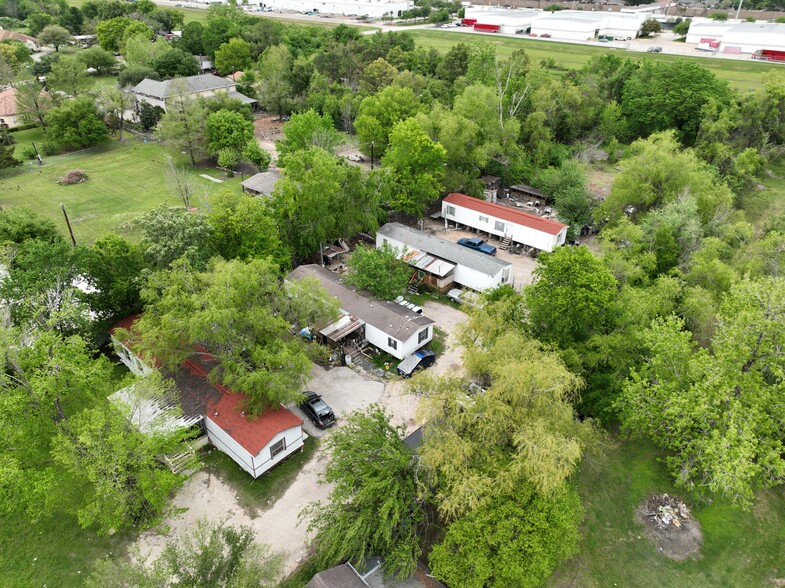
{"points": [[599, 181], [669, 522]]}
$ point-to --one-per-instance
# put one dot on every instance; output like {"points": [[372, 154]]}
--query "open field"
{"points": [[742, 75], [125, 180], [740, 548]]}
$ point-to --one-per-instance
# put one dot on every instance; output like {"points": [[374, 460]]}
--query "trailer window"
{"points": [[392, 343], [423, 335], [450, 210], [483, 219], [499, 226], [277, 448]]}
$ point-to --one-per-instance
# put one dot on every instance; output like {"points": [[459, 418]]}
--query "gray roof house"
{"points": [[387, 325], [261, 184], [447, 263], [156, 93]]}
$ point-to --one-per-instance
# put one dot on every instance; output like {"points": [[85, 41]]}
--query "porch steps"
{"points": [[505, 244]]}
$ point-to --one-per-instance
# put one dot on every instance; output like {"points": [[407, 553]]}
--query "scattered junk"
{"points": [[669, 512]]}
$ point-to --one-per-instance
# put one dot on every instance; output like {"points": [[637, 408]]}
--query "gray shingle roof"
{"points": [[263, 183], [448, 251], [387, 316], [193, 84]]}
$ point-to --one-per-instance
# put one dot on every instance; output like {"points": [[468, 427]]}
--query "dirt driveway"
{"points": [[207, 496]]}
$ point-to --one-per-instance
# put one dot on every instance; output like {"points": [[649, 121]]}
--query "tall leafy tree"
{"points": [[169, 234], [183, 125], [32, 101], [114, 267], [376, 505], [717, 410], [380, 112], [305, 130], [76, 124], [227, 129], [68, 77], [235, 55], [54, 35], [242, 314], [379, 270], [116, 102], [274, 86], [417, 165], [571, 297]]}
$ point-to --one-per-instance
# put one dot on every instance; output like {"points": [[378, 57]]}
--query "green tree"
{"points": [[571, 297], [567, 186], [137, 29], [256, 155], [716, 410], [682, 28], [274, 87], [140, 52], [455, 63], [102, 61], [37, 22], [19, 224], [518, 433], [377, 75], [72, 19], [513, 542], [7, 159], [183, 125], [375, 506], [169, 234], [110, 32], [131, 76], [191, 40], [114, 268], [227, 130], [417, 164], [379, 270], [665, 95], [320, 199], [244, 229], [235, 55], [128, 486], [175, 63], [76, 124], [379, 113], [210, 555], [116, 102], [216, 32], [650, 27], [306, 130], [69, 77], [54, 35], [241, 313]]}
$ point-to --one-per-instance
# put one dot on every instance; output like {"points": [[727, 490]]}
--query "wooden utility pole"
{"points": [[68, 222]]}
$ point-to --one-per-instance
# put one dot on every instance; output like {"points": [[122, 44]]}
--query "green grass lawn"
{"points": [[744, 75], [740, 548], [257, 495], [125, 180]]}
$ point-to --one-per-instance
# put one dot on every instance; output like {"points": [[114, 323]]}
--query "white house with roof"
{"points": [[256, 444], [386, 325], [504, 222], [156, 93], [446, 263]]}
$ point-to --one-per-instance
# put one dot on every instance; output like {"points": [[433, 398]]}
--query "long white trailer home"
{"points": [[502, 221]]}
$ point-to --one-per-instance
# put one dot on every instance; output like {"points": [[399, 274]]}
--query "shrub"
{"points": [[27, 152], [256, 155], [49, 148], [719, 16]]}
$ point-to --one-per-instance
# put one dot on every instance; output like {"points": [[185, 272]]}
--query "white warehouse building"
{"points": [[742, 37], [370, 8], [580, 25], [504, 222]]}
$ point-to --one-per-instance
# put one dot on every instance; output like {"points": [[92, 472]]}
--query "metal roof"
{"points": [[446, 250], [263, 183], [519, 217], [345, 325], [428, 263], [191, 85]]}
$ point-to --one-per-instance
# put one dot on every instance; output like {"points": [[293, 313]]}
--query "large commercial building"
{"points": [[734, 38]]}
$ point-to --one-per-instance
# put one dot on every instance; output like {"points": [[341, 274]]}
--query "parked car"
{"points": [[654, 50], [419, 360], [546, 35], [356, 158], [478, 245], [464, 297], [317, 410]]}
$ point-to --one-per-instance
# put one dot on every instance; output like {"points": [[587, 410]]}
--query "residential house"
{"points": [[255, 444], [9, 113], [504, 222], [261, 184], [442, 264], [156, 93], [384, 324]]}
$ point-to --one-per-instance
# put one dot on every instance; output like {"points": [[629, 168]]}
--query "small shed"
{"points": [[524, 191], [261, 184]]}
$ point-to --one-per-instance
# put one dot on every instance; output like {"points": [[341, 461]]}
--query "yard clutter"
{"points": [[669, 511]]}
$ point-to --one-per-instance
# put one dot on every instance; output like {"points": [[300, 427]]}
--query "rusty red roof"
{"points": [[252, 434], [519, 217], [125, 324]]}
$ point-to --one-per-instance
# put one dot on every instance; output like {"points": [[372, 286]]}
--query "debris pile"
{"points": [[666, 511], [75, 176]]}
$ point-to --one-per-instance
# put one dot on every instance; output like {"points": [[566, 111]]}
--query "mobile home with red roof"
{"points": [[502, 221]]}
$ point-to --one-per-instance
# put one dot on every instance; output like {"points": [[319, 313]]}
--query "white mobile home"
{"points": [[446, 263], [256, 444], [502, 221], [387, 326]]}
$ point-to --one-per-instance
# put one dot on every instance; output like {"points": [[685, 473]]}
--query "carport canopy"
{"points": [[339, 329]]}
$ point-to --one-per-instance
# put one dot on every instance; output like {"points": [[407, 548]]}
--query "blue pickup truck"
{"points": [[478, 245]]}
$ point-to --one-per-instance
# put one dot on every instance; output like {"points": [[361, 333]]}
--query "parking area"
{"points": [[344, 390], [523, 264]]}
